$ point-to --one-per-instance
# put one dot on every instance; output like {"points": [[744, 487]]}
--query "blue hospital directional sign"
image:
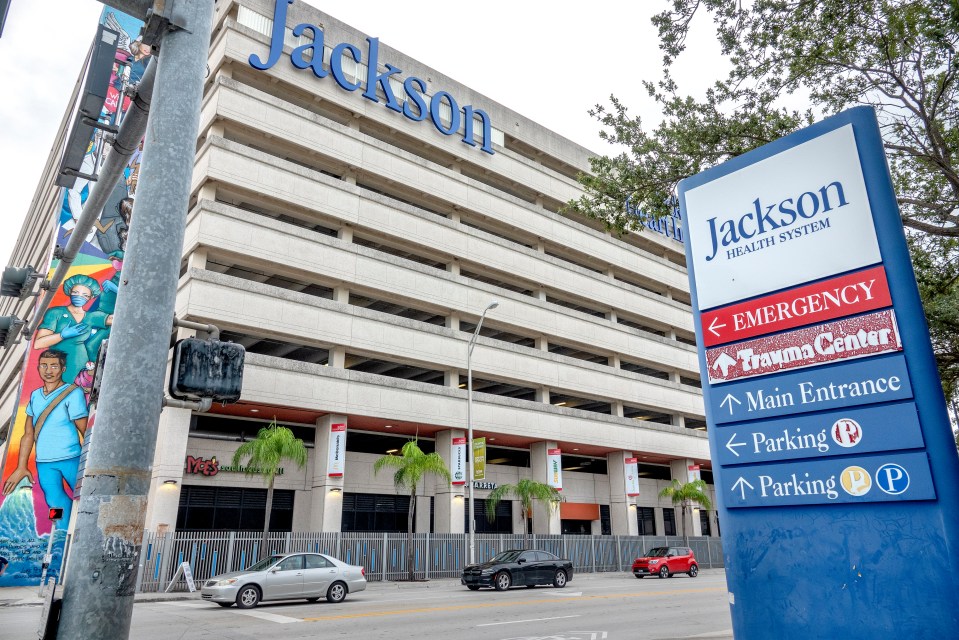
{"points": [[866, 381], [818, 435], [823, 474], [881, 478]]}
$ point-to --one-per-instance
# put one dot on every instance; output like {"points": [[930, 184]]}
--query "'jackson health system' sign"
{"points": [[414, 104], [826, 417]]}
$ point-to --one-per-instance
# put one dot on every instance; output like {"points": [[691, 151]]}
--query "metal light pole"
{"points": [[469, 426], [102, 568]]}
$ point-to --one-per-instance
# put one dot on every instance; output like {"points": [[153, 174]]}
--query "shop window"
{"points": [[669, 522], [645, 516], [501, 523], [605, 522], [704, 522], [375, 512], [233, 509]]}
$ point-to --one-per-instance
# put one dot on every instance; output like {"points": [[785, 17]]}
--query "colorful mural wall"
{"points": [[52, 418]]}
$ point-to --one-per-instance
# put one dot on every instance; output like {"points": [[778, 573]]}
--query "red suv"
{"points": [[665, 561]]}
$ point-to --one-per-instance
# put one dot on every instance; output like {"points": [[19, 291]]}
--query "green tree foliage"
{"points": [[411, 465], [899, 56], [526, 491], [264, 455], [685, 494]]}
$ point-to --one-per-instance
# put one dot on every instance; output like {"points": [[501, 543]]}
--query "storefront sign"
{"points": [[458, 461], [415, 104], [212, 466], [479, 458], [845, 339], [632, 477], [337, 460], [484, 485], [554, 468]]}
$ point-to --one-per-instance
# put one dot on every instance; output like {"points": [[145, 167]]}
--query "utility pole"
{"points": [[104, 555]]}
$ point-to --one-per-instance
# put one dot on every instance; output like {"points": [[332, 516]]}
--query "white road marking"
{"points": [[271, 617], [189, 605], [563, 593], [493, 624]]}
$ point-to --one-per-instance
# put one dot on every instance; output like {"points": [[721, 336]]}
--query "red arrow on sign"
{"points": [[838, 297]]}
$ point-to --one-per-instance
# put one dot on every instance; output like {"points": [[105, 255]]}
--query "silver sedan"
{"points": [[286, 577]]}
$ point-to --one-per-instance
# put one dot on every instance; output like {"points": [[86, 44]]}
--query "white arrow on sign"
{"points": [[724, 361], [732, 445], [713, 326], [730, 399], [741, 484]]}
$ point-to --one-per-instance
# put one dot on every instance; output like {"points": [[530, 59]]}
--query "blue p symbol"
{"points": [[892, 479]]}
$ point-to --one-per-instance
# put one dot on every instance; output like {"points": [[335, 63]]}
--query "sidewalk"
{"points": [[27, 596]]}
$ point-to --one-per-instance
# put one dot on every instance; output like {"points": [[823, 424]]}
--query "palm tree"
{"points": [[411, 465], [685, 494], [526, 491], [273, 444]]}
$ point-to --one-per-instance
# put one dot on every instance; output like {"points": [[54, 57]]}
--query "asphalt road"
{"points": [[591, 607]]}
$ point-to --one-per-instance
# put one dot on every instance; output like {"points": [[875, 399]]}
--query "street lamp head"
{"points": [[492, 305]]}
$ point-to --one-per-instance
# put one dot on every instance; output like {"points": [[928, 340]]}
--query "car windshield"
{"points": [[658, 552], [264, 564], [507, 556]]}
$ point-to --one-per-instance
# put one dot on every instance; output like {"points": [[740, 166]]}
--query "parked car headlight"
{"points": [[225, 583], [652, 562]]}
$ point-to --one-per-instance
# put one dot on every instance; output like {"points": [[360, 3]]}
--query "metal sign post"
{"points": [[836, 473]]}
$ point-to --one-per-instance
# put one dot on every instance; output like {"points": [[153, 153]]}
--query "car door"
{"points": [[285, 580], [525, 572], [546, 565], [675, 560], [317, 575]]}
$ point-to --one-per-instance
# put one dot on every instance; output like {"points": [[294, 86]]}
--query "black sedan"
{"points": [[518, 567]]}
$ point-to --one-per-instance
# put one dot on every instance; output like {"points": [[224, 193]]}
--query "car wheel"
{"points": [[225, 604], [248, 597], [664, 571], [693, 571], [502, 581], [312, 599], [472, 587], [336, 592], [559, 579]]}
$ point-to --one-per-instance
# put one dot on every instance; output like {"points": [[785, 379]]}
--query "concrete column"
{"points": [[610, 315], [542, 394], [542, 343], [614, 361], [453, 321], [207, 191], [349, 176], [622, 518], [346, 233], [337, 357], [518, 517], [714, 524], [197, 259], [448, 509], [617, 407], [659, 522], [168, 461], [451, 378], [679, 470], [326, 509], [421, 522], [455, 215], [453, 267], [341, 294], [540, 246], [543, 520], [541, 294]]}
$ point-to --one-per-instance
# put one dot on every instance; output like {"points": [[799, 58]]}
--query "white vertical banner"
{"points": [[337, 450], [554, 468], [632, 477], [458, 461], [694, 472]]}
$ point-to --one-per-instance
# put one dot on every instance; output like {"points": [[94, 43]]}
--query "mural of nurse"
{"points": [[70, 328]]}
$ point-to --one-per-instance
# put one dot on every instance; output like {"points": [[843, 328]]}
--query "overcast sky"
{"points": [[549, 65]]}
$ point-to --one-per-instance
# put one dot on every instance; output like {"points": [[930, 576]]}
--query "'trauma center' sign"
{"points": [[413, 104]]}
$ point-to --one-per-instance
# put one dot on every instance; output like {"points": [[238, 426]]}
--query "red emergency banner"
{"points": [[839, 297], [844, 339]]}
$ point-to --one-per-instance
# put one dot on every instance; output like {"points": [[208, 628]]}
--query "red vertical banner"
{"points": [[458, 461], [554, 468], [337, 459]]}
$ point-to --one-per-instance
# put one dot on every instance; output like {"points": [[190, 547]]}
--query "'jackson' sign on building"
{"points": [[415, 104]]}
